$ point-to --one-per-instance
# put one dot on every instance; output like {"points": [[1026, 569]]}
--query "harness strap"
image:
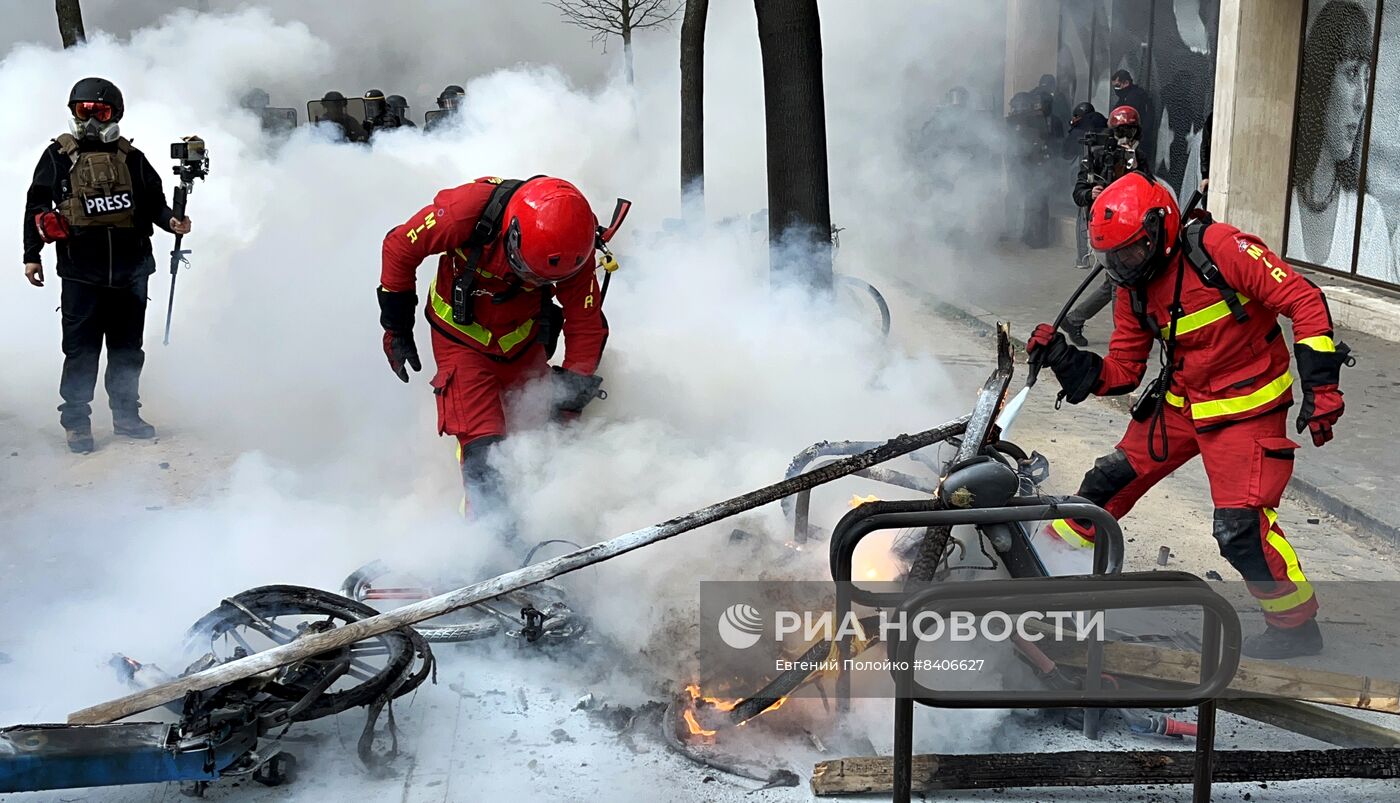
{"points": [[1193, 243], [487, 228]]}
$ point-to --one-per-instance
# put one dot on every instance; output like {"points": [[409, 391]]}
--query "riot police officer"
{"points": [[378, 115]]}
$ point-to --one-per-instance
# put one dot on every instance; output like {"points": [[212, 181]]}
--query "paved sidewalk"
{"points": [[1353, 477]]}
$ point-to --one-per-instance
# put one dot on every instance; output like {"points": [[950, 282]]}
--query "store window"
{"points": [[1168, 47], [1344, 192]]}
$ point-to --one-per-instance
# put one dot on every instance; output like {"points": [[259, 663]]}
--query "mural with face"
{"points": [[1382, 199], [1326, 197]]}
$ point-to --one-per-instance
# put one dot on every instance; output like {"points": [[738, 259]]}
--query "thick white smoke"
{"points": [[290, 454]]}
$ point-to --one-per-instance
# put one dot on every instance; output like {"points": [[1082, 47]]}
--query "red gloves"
{"points": [[1078, 371], [1042, 338], [1322, 406], [400, 348]]}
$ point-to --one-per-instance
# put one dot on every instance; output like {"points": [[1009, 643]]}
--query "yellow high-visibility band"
{"points": [[1071, 537], [1175, 400], [1243, 404], [1321, 343], [1203, 317], [1304, 591], [474, 330]]}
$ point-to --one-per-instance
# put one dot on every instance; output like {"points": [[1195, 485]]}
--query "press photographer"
{"points": [[1084, 122], [97, 198], [1108, 156]]}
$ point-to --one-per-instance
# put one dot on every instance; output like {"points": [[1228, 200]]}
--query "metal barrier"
{"points": [[876, 516], [1220, 655]]}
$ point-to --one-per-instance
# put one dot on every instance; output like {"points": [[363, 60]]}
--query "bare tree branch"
{"points": [[606, 18]]}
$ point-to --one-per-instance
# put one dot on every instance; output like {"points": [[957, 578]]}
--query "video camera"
{"points": [[1104, 158], [192, 158]]}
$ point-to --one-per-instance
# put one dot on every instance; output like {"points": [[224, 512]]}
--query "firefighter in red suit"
{"points": [[508, 249], [1211, 295]]}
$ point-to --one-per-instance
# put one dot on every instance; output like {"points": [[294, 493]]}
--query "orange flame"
{"points": [[694, 726], [699, 700]]}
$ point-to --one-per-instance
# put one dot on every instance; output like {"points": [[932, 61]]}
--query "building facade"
{"points": [[1293, 104]]}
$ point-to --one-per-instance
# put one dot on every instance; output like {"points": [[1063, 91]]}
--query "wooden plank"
{"points": [[1313, 721], [1080, 768], [1267, 678], [433, 607]]}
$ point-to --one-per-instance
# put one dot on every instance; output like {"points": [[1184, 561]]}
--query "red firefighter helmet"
{"points": [[1133, 228], [551, 231]]}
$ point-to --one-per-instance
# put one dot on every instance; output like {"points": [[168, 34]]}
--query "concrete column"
{"points": [[1032, 43], [1256, 77]]}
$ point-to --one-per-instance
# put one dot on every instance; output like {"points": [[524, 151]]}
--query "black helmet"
{"points": [[256, 99], [397, 102], [333, 97], [98, 90], [1082, 110], [450, 95], [88, 123], [374, 94]]}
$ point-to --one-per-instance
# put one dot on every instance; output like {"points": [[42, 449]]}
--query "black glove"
{"points": [[396, 311], [1077, 371], [573, 392]]}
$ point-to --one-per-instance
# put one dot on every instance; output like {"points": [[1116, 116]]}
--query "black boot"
{"points": [[129, 423], [79, 435], [1075, 330], [1280, 642]]}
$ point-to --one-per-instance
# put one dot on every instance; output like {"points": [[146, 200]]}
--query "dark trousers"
{"points": [[1081, 239], [1090, 304], [93, 314]]}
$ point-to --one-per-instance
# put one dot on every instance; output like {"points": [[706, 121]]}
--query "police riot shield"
{"points": [[437, 118], [277, 120], [348, 115]]}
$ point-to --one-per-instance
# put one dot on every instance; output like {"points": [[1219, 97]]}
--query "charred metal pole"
{"points": [[520, 578]]}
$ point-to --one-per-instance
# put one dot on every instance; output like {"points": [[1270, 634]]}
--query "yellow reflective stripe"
{"points": [[1071, 537], [474, 330], [1243, 404], [1203, 317], [1175, 400], [1304, 591], [443, 310], [1321, 343], [510, 340]]}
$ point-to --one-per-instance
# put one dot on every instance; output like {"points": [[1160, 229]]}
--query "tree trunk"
{"points": [[693, 110], [799, 202], [70, 22], [624, 26], [627, 56]]}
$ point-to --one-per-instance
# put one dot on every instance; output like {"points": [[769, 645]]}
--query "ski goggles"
{"points": [[93, 110]]}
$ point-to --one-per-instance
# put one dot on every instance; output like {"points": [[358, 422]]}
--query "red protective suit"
{"points": [[1227, 403], [500, 350]]}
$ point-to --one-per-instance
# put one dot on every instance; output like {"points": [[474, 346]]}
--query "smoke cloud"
{"points": [[289, 454]]}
